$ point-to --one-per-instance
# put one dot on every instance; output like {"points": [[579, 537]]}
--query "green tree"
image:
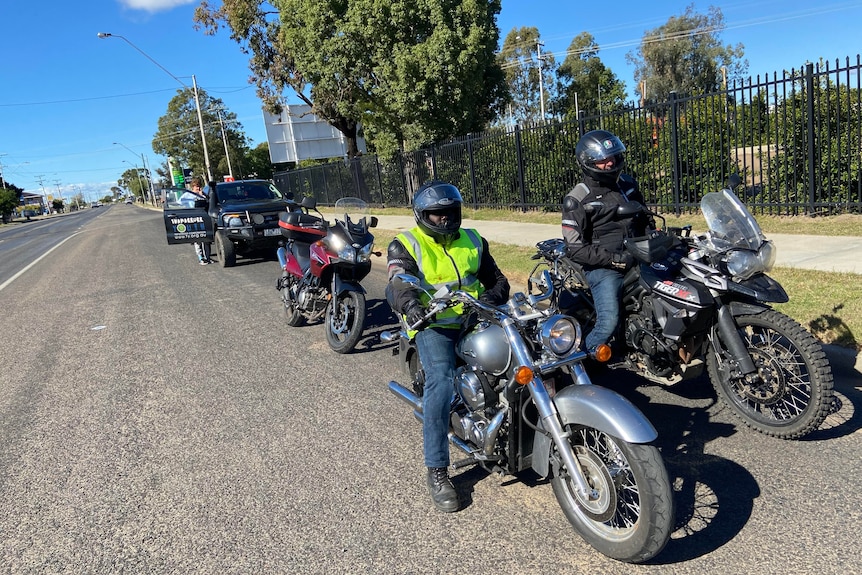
{"points": [[685, 56], [409, 72], [134, 185], [257, 162], [179, 134], [9, 200], [585, 83], [519, 59]]}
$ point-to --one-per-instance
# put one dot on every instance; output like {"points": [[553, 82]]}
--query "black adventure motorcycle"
{"points": [[522, 399], [321, 267], [705, 300]]}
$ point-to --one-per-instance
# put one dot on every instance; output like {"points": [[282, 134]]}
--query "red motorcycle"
{"points": [[322, 265]]}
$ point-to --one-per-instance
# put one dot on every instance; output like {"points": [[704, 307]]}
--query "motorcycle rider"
{"points": [[439, 252], [594, 235]]}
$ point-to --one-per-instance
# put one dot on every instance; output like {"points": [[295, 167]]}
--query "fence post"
{"points": [[519, 155], [809, 105], [674, 151], [379, 181], [472, 173]]}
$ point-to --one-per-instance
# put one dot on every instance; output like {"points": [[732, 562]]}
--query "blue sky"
{"points": [[67, 95]]}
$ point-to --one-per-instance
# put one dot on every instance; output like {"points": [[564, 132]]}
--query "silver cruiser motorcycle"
{"points": [[695, 301], [522, 399]]}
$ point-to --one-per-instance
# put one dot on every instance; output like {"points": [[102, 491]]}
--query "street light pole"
{"points": [[194, 89], [138, 172], [146, 172], [201, 122]]}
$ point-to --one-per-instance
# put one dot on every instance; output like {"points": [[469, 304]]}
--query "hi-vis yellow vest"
{"points": [[455, 265]]}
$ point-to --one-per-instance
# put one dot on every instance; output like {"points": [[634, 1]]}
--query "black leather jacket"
{"points": [[592, 238]]}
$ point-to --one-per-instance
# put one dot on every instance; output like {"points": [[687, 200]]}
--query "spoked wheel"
{"points": [[632, 516], [345, 319], [791, 393], [291, 313]]}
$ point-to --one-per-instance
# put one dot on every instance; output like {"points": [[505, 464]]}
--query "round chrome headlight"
{"points": [[561, 335]]}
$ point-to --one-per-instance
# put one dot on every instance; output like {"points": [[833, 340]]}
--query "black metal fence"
{"points": [[795, 139]]}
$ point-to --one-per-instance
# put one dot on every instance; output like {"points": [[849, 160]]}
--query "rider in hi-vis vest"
{"points": [[439, 252]]}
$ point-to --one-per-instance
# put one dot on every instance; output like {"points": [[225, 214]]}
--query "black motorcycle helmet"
{"points": [[601, 145], [438, 197]]}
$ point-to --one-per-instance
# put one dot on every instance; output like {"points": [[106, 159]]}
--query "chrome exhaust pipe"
{"points": [[406, 395], [415, 402]]}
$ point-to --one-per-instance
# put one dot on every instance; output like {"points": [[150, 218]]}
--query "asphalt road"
{"points": [[157, 416]]}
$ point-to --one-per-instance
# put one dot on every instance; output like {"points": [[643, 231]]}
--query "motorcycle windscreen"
{"points": [[186, 224]]}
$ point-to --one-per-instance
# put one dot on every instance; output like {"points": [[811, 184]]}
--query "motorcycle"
{"points": [[522, 399], [705, 300], [322, 265]]}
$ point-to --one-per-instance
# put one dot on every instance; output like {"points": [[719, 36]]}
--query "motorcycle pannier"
{"points": [[301, 227]]}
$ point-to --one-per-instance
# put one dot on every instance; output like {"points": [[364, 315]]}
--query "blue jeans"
{"points": [[437, 352], [605, 286]]}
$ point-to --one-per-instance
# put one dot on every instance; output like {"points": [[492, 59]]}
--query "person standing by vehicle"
{"points": [[593, 233], [439, 252], [188, 199]]}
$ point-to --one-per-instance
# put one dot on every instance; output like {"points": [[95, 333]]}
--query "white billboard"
{"points": [[297, 134]]}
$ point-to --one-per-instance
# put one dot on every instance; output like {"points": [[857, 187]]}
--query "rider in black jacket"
{"points": [[594, 234]]}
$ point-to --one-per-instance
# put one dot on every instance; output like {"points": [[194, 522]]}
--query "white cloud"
{"points": [[154, 5]]}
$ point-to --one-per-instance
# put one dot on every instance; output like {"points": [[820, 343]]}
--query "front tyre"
{"points": [[632, 518], [791, 393], [225, 250], [345, 320]]}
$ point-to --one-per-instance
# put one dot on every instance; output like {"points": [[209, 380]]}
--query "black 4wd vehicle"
{"points": [[245, 217], [239, 217]]}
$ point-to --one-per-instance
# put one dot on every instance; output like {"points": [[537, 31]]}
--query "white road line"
{"points": [[34, 262]]}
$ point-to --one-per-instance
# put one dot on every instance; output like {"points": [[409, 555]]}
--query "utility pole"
{"points": [[2, 183], [44, 195], [224, 139], [59, 193], [541, 64]]}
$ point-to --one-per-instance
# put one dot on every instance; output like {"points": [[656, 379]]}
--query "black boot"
{"points": [[442, 492]]}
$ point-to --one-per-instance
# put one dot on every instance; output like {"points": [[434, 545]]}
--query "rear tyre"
{"points": [[345, 320], [291, 312], [225, 249], [791, 393], [632, 518]]}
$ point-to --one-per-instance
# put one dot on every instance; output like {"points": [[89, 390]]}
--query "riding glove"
{"points": [[414, 313], [622, 262]]}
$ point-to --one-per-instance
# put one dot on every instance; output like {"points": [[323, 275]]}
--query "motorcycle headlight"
{"points": [[744, 264], [363, 254], [343, 250], [561, 335]]}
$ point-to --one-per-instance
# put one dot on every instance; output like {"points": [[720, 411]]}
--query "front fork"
{"points": [[549, 416], [729, 333]]}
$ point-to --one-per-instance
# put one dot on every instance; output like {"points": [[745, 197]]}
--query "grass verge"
{"points": [[826, 303]]}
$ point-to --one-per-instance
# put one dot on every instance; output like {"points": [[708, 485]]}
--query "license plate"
{"points": [[272, 232]]}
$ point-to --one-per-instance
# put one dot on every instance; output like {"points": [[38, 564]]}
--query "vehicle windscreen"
{"points": [[250, 191]]}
